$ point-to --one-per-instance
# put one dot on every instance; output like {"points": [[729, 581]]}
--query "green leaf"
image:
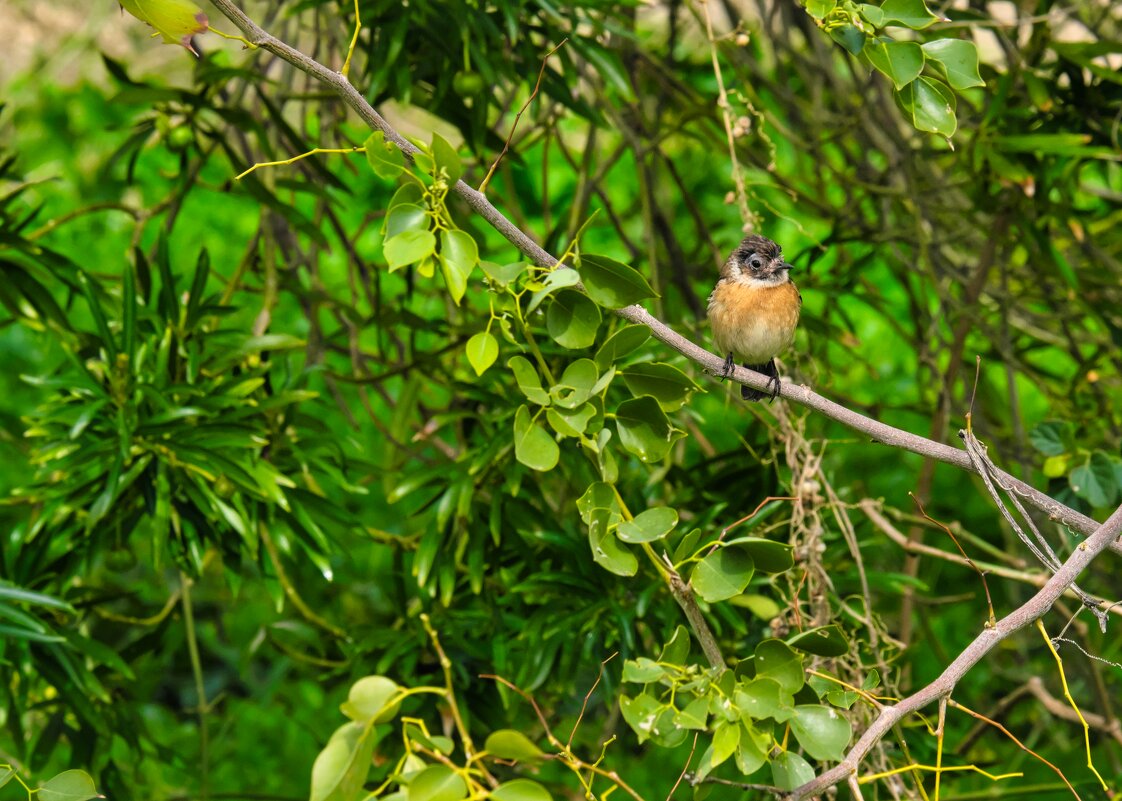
{"points": [[458, 256], [372, 698], [819, 8], [850, 37], [612, 284], [521, 790], [533, 446], [872, 14], [640, 713], [821, 731], [959, 58], [644, 429], [725, 740], [768, 555], [559, 279], [70, 785], [774, 659], [909, 13], [761, 606], [621, 343], [606, 549], [575, 386], [446, 158], [408, 247], [762, 697], [385, 158], [529, 383], [502, 274], [722, 574], [482, 351], [175, 20], [931, 105], [821, 641], [751, 752], [902, 62], [1052, 437], [511, 744], [695, 716], [1095, 480], [342, 766], [677, 648], [599, 495], [572, 320], [405, 217], [1058, 144], [643, 671], [789, 770], [437, 783], [665, 383], [571, 422], [10, 592], [653, 524]]}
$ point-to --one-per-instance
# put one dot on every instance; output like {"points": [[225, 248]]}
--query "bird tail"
{"points": [[749, 394]]}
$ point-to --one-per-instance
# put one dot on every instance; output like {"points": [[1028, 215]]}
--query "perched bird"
{"points": [[754, 309]]}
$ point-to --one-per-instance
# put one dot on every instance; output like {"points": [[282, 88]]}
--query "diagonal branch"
{"points": [[1031, 610], [804, 395]]}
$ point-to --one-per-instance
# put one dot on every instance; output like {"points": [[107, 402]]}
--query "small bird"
{"points": [[754, 310]]}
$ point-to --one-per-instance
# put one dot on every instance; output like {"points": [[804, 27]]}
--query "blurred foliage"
{"points": [[268, 443]]}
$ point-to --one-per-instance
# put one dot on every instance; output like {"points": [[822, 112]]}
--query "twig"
{"points": [[685, 768], [1019, 744], [518, 116], [969, 561], [588, 695]]}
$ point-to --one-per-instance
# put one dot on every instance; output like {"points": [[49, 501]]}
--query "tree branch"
{"points": [[1031, 610], [878, 431]]}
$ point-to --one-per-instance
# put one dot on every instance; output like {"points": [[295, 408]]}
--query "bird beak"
{"points": [[787, 266]]}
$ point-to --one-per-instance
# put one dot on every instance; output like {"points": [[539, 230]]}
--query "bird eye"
{"points": [[756, 263]]}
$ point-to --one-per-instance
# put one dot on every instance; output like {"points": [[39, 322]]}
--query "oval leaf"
{"points": [[533, 446], [722, 574], [482, 350], [70, 785], [653, 524], [437, 783], [821, 731], [789, 770], [959, 59], [644, 428], [521, 790], [511, 744], [572, 320], [612, 284], [372, 698], [175, 20], [408, 247]]}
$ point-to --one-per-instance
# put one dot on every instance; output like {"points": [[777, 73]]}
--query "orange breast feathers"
{"points": [[753, 322]]}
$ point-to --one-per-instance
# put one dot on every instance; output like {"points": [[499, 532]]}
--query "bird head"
{"points": [[756, 259]]}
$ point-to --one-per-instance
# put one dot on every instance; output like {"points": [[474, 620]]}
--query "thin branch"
{"points": [[712, 363], [518, 116]]}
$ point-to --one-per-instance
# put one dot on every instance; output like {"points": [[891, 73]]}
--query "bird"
{"points": [[754, 310]]}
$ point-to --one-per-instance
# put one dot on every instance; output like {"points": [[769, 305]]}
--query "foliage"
{"points": [[318, 438]]}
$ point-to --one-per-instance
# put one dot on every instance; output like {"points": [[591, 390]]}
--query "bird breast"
{"points": [[754, 321]]}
